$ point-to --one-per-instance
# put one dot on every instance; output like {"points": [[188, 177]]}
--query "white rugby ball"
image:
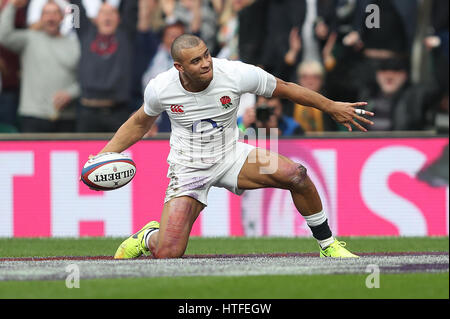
{"points": [[108, 171]]}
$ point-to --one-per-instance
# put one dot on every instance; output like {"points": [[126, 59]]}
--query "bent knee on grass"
{"points": [[178, 216], [168, 252], [172, 241], [168, 246]]}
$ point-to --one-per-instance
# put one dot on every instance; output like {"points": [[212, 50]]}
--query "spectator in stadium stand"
{"points": [[314, 41], [311, 75], [161, 61], [228, 32], [341, 61], [325, 26], [9, 78], [252, 30], [393, 40], [106, 66], [284, 17], [34, 15], [92, 7], [228, 40], [268, 113], [49, 64], [149, 26], [199, 17], [316, 28], [398, 104]]}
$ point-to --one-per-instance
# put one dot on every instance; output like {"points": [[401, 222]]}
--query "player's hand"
{"points": [[349, 114]]}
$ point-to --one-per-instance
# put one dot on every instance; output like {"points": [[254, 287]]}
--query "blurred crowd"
{"points": [[82, 65]]}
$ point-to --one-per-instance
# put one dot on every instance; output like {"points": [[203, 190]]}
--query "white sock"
{"points": [[326, 242], [147, 235], [316, 220]]}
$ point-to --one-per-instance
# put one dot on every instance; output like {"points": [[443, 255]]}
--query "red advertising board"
{"points": [[368, 187]]}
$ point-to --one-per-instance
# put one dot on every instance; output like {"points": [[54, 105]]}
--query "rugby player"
{"points": [[201, 95]]}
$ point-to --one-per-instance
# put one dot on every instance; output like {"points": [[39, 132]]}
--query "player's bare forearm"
{"points": [[346, 114], [130, 132], [301, 95]]}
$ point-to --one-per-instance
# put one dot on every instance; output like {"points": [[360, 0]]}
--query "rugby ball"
{"points": [[108, 171]]}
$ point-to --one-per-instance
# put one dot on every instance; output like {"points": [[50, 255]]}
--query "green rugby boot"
{"points": [[336, 250], [134, 246]]}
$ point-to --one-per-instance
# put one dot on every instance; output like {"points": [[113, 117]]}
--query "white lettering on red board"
{"points": [[12, 164], [68, 207], [375, 191]]}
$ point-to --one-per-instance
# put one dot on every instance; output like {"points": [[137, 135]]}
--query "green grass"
{"points": [[255, 287], [25, 247], [413, 285]]}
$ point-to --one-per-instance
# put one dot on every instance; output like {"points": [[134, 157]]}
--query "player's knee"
{"points": [[297, 176], [168, 252]]}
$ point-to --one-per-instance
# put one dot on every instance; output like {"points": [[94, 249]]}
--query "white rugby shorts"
{"points": [[196, 183]]}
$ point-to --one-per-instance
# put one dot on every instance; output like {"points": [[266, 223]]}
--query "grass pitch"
{"points": [[43, 247], [403, 285]]}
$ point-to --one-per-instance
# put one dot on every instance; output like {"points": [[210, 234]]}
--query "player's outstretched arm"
{"points": [[343, 113], [130, 132]]}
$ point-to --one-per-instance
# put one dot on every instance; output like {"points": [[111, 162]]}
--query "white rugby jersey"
{"points": [[204, 124]]}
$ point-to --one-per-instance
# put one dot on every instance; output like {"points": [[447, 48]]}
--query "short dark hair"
{"points": [[184, 41]]}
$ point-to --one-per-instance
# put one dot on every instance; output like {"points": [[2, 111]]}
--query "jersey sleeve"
{"points": [[255, 80], [152, 107]]}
